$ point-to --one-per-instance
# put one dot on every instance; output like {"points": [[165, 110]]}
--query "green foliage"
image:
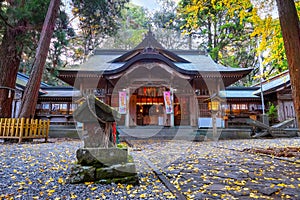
{"points": [[224, 27], [134, 17], [25, 18], [57, 51], [271, 46], [165, 17], [130, 38], [130, 159], [272, 112], [166, 25], [221, 25], [97, 16], [122, 146], [133, 24], [135, 21], [31, 11], [97, 19]]}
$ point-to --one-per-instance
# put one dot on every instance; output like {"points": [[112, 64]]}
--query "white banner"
{"points": [[168, 102], [122, 102]]}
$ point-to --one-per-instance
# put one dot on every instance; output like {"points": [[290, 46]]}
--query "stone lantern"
{"points": [[215, 107]]}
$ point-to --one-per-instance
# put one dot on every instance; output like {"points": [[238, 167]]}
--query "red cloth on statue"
{"points": [[114, 132]]}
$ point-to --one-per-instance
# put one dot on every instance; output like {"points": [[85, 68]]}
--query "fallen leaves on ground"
{"points": [[278, 152], [205, 170]]}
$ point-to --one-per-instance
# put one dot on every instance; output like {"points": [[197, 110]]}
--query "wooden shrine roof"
{"points": [[193, 63], [275, 83], [240, 93]]}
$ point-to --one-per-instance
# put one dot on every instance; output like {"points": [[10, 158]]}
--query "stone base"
{"points": [[81, 174], [113, 171], [104, 166], [125, 174], [100, 157]]}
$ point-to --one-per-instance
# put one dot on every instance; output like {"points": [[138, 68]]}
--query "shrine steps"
{"points": [[180, 133]]}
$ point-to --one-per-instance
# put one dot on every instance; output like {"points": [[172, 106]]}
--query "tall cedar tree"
{"points": [[289, 22], [19, 20], [30, 95], [9, 64]]}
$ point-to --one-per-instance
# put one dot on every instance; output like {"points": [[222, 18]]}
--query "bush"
{"points": [[272, 113]]}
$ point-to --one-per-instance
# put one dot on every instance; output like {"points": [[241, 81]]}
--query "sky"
{"points": [[150, 4]]}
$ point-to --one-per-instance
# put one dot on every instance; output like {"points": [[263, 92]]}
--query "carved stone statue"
{"points": [[99, 120], [100, 160]]}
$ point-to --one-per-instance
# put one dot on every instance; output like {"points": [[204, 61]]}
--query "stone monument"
{"points": [[100, 160]]}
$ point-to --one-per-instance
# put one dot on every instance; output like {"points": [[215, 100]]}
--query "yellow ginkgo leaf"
{"points": [[128, 187], [291, 186], [254, 196], [50, 192], [60, 180], [143, 195], [281, 184], [94, 188]]}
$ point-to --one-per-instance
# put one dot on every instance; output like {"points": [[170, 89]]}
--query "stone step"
{"points": [[181, 133], [63, 131]]}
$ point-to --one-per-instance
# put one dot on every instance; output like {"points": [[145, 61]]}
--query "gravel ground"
{"points": [[40, 171], [203, 170]]}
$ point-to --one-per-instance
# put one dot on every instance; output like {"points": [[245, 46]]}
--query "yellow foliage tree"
{"points": [[224, 28], [271, 45], [232, 28]]}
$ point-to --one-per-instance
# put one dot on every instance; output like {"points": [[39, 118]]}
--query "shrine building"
{"points": [[151, 85]]}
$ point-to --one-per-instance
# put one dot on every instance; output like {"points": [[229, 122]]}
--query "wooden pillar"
{"points": [[107, 99], [132, 110], [81, 88], [193, 110]]}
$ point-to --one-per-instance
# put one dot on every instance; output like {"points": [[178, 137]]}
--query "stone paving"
{"points": [[220, 170], [200, 170]]}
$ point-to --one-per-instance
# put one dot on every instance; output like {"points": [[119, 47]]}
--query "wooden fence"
{"points": [[22, 128]]}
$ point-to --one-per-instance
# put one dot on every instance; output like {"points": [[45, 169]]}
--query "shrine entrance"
{"points": [[147, 107], [154, 94], [150, 106]]}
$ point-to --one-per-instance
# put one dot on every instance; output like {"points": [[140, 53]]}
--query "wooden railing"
{"points": [[22, 128]]}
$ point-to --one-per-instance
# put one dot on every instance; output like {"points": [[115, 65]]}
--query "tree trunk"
{"points": [[31, 93], [289, 22], [10, 53]]}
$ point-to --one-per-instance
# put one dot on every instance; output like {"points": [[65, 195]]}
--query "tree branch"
{"points": [[5, 21]]}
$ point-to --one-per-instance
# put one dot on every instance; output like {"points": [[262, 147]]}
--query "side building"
{"points": [[54, 103], [277, 92]]}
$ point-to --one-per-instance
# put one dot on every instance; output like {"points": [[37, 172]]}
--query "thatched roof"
{"points": [[92, 109]]}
